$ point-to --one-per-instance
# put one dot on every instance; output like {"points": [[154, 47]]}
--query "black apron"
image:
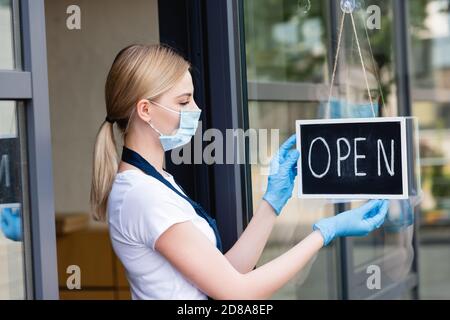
{"points": [[131, 157]]}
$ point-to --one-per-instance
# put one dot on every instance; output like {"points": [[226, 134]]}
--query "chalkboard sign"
{"points": [[353, 158]]}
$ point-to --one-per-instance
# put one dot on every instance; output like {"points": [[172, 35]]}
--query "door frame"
{"points": [[207, 34], [28, 84]]}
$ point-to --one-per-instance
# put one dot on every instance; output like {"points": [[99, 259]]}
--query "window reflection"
{"points": [[391, 247], [298, 216], [287, 47], [430, 40], [6, 36], [377, 50], [11, 208], [285, 41]]}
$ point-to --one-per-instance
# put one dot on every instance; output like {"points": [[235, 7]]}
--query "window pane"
{"points": [[430, 39], [377, 54], [12, 280], [6, 36], [285, 43], [297, 218], [430, 31]]}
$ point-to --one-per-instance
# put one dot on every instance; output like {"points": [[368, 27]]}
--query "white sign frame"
{"points": [[405, 191]]}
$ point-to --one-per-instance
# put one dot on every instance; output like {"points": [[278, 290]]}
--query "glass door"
{"points": [[390, 252], [290, 49], [287, 70]]}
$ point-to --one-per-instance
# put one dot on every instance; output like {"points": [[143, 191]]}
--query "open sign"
{"points": [[353, 158]]}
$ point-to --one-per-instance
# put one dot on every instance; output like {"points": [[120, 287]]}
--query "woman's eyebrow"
{"points": [[188, 94]]}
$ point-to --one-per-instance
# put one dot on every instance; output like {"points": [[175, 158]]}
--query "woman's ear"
{"points": [[143, 110]]}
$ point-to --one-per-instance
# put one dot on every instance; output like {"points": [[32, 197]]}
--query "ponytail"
{"points": [[104, 169]]}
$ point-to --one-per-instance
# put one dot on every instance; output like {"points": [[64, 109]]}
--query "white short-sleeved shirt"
{"points": [[140, 209]]}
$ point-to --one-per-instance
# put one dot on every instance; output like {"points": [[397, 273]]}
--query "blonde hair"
{"points": [[138, 72]]}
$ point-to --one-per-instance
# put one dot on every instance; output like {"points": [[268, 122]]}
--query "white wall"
{"points": [[78, 62]]}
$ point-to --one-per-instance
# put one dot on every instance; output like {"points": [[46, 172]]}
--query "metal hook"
{"points": [[348, 6]]}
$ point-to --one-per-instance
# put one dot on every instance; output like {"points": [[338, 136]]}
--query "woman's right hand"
{"points": [[283, 170], [357, 222]]}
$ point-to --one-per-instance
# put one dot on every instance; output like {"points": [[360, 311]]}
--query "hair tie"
{"points": [[108, 119]]}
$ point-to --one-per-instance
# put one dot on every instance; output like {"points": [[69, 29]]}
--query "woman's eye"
{"points": [[184, 103]]}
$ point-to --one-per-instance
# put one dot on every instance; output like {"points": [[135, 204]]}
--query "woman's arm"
{"points": [[188, 250], [283, 169], [246, 252], [195, 256]]}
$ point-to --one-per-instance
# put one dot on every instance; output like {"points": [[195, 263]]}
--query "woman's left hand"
{"points": [[283, 170]]}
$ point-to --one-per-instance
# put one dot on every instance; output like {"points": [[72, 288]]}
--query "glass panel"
{"points": [[391, 247], [286, 41], [6, 36], [12, 280], [377, 54], [430, 39], [297, 218]]}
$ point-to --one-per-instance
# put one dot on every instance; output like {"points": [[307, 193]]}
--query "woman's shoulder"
{"points": [[139, 186], [138, 192], [141, 207]]}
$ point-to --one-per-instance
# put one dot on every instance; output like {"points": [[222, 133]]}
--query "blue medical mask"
{"points": [[185, 132]]}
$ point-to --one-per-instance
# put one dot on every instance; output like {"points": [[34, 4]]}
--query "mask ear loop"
{"points": [[159, 105], [157, 131], [171, 110]]}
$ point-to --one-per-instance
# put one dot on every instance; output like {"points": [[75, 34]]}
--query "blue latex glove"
{"points": [[11, 223], [283, 170], [357, 222]]}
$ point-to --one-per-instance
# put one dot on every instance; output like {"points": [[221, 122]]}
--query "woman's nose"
{"points": [[194, 105]]}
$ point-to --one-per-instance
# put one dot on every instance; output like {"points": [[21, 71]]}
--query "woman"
{"points": [[169, 245]]}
